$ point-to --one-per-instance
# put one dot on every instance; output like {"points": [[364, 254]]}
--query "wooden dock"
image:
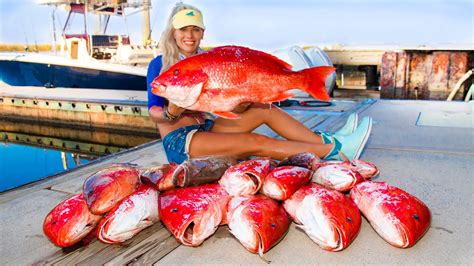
{"points": [[432, 161]]}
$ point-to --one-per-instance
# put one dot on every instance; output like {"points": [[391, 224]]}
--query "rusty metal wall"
{"points": [[424, 75]]}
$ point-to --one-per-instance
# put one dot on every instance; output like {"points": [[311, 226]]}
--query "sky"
{"points": [[274, 24]]}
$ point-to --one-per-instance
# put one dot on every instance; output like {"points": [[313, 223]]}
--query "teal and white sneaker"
{"points": [[348, 128], [351, 145]]}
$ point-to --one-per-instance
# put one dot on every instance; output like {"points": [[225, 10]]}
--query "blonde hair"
{"points": [[167, 44]]}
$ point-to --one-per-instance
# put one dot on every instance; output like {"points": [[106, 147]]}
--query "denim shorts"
{"points": [[177, 142]]}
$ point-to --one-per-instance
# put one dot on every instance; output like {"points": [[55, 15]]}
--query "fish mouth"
{"points": [[274, 190], [405, 241], [255, 180], [199, 228], [180, 176], [79, 234], [102, 235], [261, 248], [188, 234], [158, 88], [339, 245]]}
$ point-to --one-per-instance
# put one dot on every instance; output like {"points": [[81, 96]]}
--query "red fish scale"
{"points": [[258, 167], [288, 178], [266, 217], [340, 210], [60, 223], [261, 79], [104, 189], [406, 211], [177, 208], [126, 205]]}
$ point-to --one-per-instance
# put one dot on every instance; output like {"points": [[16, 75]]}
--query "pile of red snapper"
{"points": [[257, 199]]}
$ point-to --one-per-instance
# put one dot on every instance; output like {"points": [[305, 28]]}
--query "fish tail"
{"points": [[315, 78]]}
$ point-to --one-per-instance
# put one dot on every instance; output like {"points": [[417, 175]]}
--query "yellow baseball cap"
{"points": [[188, 17]]}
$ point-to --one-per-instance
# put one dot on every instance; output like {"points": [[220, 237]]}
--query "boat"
{"points": [[300, 58], [85, 60]]}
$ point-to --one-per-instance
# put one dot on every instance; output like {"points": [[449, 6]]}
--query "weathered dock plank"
{"points": [[21, 227], [148, 251]]}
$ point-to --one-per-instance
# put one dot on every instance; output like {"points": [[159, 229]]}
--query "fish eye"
{"points": [[176, 72], [416, 217]]}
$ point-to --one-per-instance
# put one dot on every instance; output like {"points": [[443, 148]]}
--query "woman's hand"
{"points": [[157, 113], [175, 110], [241, 108]]}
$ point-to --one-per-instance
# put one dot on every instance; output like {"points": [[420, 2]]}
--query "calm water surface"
{"points": [[22, 164], [31, 152]]}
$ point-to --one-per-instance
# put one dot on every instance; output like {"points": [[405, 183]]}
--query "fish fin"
{"points": [[227, 115], [279, 97], [279, 61], [316, 77], [260, 54]]}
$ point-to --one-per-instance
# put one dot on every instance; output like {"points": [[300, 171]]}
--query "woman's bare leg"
{"points": [[243, 145], [275, 118]]}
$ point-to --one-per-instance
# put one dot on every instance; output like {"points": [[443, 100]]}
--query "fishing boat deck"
{"points": [[423, 147]]}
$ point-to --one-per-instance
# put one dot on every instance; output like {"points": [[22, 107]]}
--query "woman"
{"points": [[189, 134]]}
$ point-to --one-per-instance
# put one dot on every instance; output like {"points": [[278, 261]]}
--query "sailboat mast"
{"points": [[54, 30], [146, 39]]}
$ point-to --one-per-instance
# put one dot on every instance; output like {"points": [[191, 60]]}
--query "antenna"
{"points": [[26, 37], [54, 29]]}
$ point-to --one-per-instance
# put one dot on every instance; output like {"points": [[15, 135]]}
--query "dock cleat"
{"points": [[351, 145], [348, 128]]}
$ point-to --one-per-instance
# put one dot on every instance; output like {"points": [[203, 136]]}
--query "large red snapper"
{"points": [[398, 217], [193, 214], [247, 177], [130, 216], [328, 217], [104, 189], [283, 181], [257, 221], [69, 222], [219, 80]]}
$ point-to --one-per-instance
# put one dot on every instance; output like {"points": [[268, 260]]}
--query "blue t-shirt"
{"points": [[154, 69]]}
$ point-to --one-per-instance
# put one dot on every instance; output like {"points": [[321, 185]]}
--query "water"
{"points": [[22, 164], [31, 152]]}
